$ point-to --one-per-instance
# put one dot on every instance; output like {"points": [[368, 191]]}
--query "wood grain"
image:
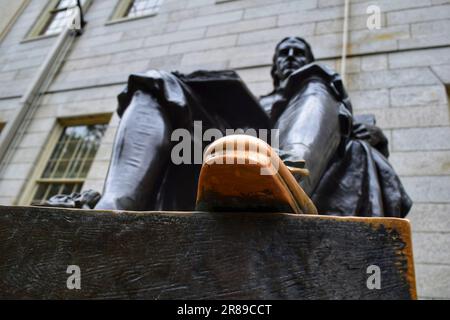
{"points": [[175, 255]]}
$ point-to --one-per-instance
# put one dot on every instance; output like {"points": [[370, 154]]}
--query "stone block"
{"points": [[242, 26], [337, 25], [204, 44], [389, 5], [280, 8], [99, 170], [418, 96], [326, 46], [431, 13], [353, 65], [100, 40], [6, 201], [122, 46], [26, 155], [430, 217], [391, 78], [260, 88], [385, 39], [314, 15], [411, 117], [181, 36], [369, 99], [419, 58], [433, 281], [433, 28], [432, 189], [427, 34], [41, 125], [105, 150], [255, 74], [227, 17], [276, 34], [10, 188], [421, 139], [421, 163], [251, 55], [34, 139], [17, 171], [374, 63], [443, 73], [431, 248]]}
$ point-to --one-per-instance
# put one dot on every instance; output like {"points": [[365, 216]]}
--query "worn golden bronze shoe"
{"points": [[243, 173]]}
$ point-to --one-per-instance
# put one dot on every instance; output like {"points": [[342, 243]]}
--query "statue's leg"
{"points": [[139, 158], [309, 130]]}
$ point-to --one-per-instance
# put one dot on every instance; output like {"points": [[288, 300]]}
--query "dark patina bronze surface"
{"points": [[347, 160], [346, 156]]}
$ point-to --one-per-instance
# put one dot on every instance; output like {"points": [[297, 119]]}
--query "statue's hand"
{"points": [[373, 135], [84, 200]]}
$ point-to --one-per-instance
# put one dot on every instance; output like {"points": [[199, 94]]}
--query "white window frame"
{"points": [[121, 9], [36, 176], [44, 19]]}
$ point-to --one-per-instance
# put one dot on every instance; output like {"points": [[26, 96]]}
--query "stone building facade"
{"points": [[399, 72]]}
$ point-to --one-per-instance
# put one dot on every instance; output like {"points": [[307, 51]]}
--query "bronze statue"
{"points": [[347, 160]]}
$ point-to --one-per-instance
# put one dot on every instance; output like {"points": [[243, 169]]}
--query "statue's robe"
{"points": [[358, 179]]}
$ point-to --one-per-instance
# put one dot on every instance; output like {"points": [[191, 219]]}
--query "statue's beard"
{"points": [[290, 67], [288, 71]]}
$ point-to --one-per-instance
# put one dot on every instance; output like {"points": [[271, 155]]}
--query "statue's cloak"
{"points": [[358, 181], [361, 182]]}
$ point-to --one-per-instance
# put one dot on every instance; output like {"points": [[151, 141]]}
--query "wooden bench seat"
{"points": [[192, 255]]}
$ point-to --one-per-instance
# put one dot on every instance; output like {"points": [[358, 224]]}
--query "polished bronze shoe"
{"points": [[243, 173]]}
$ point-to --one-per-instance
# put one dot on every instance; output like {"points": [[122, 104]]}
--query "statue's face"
{"points": [[290, 56]]}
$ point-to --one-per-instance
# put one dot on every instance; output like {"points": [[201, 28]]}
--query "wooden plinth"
{"points": [[170, 255]]}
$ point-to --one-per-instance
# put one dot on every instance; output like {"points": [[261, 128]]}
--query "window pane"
{"points": [[71, 159], [60, 19], [143, 7], [40, 193], [47, 190]]}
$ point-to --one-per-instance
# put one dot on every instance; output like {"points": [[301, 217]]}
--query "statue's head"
{"points": [[291, 54]]}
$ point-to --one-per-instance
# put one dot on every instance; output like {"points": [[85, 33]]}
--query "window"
{"points": [[70, 160], [142, 8], [55, 17], [129, 9], [60, 17]]}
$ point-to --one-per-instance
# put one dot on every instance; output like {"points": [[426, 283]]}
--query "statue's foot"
{"points": [[243, 173]]}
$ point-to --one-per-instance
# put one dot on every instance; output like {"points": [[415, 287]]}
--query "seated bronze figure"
{"points": [[347, 159]]}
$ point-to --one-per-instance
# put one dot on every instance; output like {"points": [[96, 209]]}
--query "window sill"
{"points": [[223, 1], [127, 19], [36, 38]]}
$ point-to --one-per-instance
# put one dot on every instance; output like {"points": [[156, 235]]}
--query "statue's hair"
{"points": [[309, 56]]}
